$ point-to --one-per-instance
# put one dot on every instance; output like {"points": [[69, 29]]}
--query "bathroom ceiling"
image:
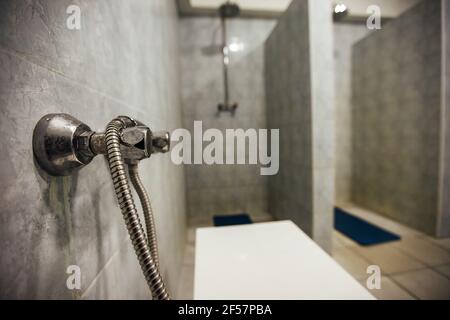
{"points": [[274, 8], [252, 5], [249, 8], [389, 8]]}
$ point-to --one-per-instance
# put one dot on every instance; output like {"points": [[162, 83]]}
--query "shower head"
{"points": [[229, 10]]}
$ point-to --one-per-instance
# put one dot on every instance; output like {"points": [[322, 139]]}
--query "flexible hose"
{"points": [[129, 212], [147, 209]]}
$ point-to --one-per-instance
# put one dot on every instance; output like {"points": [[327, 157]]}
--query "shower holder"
{"points": [[226, 107], [63, 144]]}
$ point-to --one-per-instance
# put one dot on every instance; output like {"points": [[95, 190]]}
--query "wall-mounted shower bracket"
{"points": [[231, 108], [62, 144], [226, 11]]}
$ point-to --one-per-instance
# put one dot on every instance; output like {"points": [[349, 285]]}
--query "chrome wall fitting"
{"points": [[63, 144]]}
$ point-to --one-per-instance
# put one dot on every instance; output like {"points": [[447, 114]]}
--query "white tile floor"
{"points": [[416, 267]]}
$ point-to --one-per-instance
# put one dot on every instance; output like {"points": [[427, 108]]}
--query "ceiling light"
{"points": [[340, 8]]}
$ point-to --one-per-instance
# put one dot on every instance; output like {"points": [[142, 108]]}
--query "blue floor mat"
{"points": [[361, 231], [236, 219]]}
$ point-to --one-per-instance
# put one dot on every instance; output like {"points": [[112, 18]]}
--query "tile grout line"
{"points": [[427, 266], [94, 281], [390, 277], [435, 268], [386, 276], [395, 274], [439, 245], [406, 253], [405, 289], [416, 234], [23, 56], [411, 256]]}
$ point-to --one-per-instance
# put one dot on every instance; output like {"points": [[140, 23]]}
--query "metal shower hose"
{"points": [[147, 209], [146, 252]]}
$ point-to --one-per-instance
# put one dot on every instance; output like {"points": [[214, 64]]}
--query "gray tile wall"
{"points": [[396, 118], [345, 35], [122, 61], [300, 102], [444, 217], [223, 189]]}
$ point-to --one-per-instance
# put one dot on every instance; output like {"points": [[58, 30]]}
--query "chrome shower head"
{"points": [[229, 10]]}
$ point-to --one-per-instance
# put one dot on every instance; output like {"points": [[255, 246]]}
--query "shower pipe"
{"points": [[62, 145], [227, 10]]}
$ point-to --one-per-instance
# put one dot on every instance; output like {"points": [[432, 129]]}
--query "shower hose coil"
{"points": [[147, 256], [147, 209]]}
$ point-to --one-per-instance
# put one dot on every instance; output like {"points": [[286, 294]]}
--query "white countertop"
{"points": [[274, 260]]}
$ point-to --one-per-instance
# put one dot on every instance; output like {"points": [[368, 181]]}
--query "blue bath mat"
{"points": [[361, 231], [236, 219]]}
